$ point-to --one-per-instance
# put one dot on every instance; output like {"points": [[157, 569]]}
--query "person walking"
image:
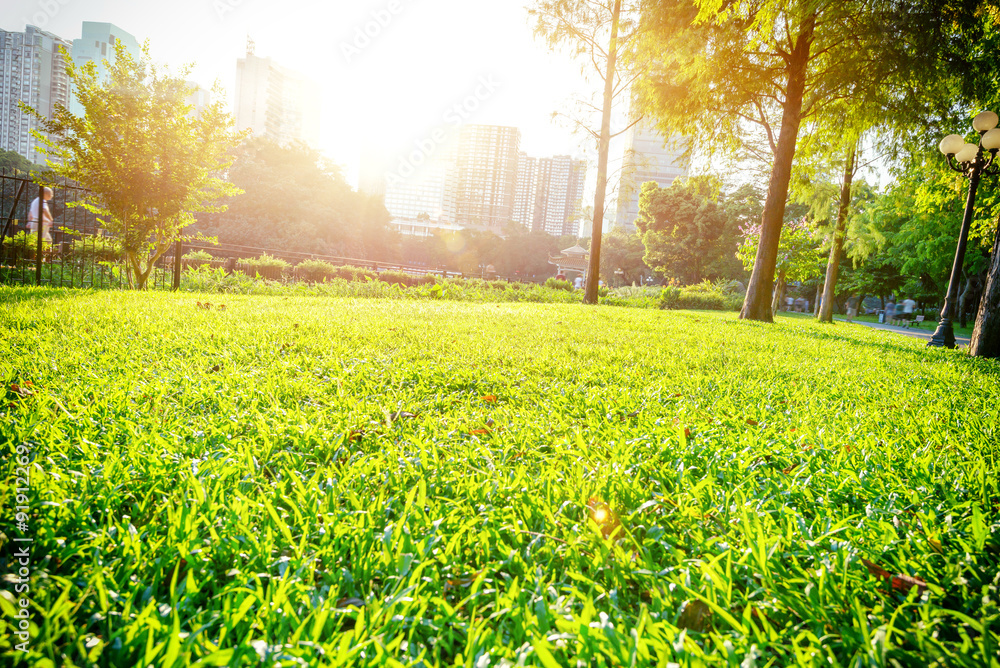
{"points": [[46, 216], [908, 306], [890, 311]]}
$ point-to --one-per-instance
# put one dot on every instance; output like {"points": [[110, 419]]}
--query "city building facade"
{"points": [[480, 180], [97, 45], [559, 194], [275, 102], [648, 157], [32, 71], [485, 175], [525, 196]]}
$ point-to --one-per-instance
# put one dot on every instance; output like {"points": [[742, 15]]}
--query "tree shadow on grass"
{"points": [[990, 367]]}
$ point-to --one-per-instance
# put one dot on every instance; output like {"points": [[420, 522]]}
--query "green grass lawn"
{"points": [[317, 481]]}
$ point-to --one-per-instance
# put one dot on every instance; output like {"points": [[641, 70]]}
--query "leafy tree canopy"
{"points": [[686, 233], [295, 199], [150, 162]]}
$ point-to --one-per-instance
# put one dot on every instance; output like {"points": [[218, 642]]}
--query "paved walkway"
{"points": [[926, 333]]}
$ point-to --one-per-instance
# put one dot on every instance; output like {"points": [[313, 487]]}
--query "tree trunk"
{"points": [[757, 305], [962, 304], [594, 271], [779, 291], [819, 293], [837, 246], [986, 334]]}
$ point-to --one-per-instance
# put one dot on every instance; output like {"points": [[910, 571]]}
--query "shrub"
{"points": [[405, 280], [315, 271], [557, 284], [670, 297], [701, 301], [704, 296], [351, 273], [22, 246], [265, 266], [203, 255]]}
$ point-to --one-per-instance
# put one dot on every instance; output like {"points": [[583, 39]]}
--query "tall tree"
{"points": [[623, 251], [148, 160], [295, 199], [986, 332], [685, 232], [742, 74], [598, 32]]}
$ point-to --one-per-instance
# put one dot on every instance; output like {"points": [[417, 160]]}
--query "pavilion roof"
{"points": [[575, 250]]}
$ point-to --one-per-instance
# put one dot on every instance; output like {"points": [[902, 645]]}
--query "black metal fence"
{"points": [[76, 250]]}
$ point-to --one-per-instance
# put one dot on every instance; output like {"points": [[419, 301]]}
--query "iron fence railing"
{"points": [[76, 250]]}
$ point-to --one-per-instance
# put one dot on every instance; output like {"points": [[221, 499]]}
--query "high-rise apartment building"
{"points": [[526, 190], [559, 191], [275, 102], [481, 180], [31, 71], [485, 176], [647, 158], [97, 45], [549, 192]]}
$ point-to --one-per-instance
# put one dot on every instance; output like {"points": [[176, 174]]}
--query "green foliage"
{"points": [[265, 266], [97, 248], [315, 270], [403, 279], [12, 162], [621, 250], [704, 296], [434, 472], [266, 261], [23, 246], [800, 253], [297, 200], [199, 255], [686, 234], [149, 163], [557, 284]]}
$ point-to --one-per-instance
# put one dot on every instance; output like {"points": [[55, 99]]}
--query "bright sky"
{"points": [[424, 57]]}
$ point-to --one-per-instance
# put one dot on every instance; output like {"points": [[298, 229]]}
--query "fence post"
{"points": [[39, 227], [178, 252]]}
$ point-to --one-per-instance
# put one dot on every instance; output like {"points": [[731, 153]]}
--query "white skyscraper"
{"points": [[97, 45], [548, 193], [647, 158], [275, 102], [31, 71]]}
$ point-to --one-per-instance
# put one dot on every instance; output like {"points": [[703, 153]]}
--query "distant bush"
{"points": [[558, 284], [405, 280], [704, 296], [198, 255], [351, 273], [23, 246], [265, 266], [315, 271]]}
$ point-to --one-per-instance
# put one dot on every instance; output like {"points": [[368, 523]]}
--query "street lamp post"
{"points": [[974, 161]]}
